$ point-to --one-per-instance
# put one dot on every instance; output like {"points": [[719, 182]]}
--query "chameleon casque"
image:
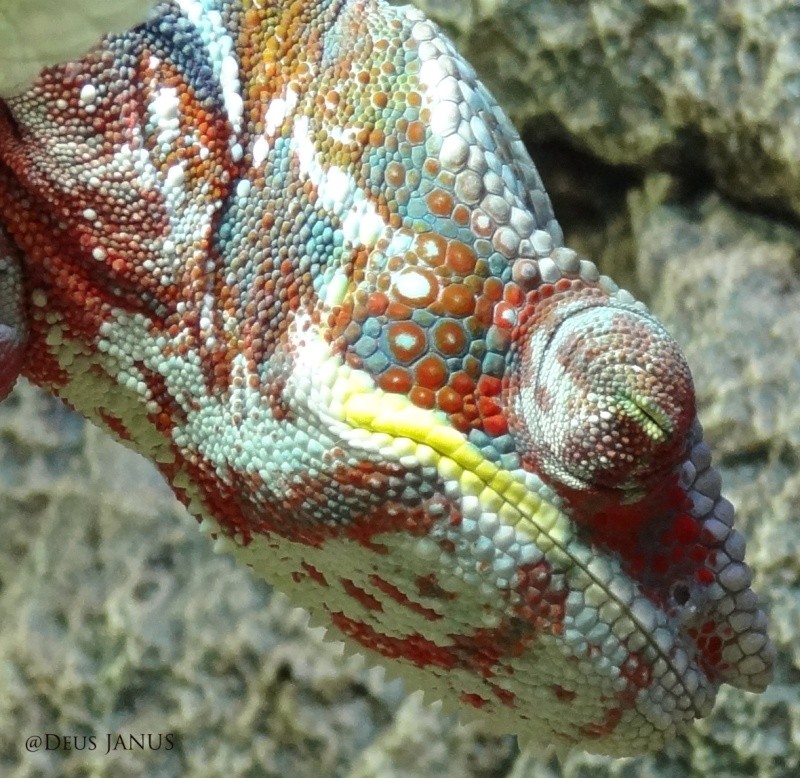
{"points": [[296, 255]]}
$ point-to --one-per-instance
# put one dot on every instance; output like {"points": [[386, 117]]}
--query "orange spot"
{"points": [[431, 247], [495, 426], [513, 294], [448, 400], [458, 300], [462, 383], [406, 340], [461, 215], [398, 311], [440, 203], [395, 379], [395, 174], [431, 372], [416, 132], [450, 338], [416, 286], [489, 386], [377, 303], [421, 397], [460, 258], [431, 166]]}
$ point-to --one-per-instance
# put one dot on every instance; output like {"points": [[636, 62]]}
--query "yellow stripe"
{"points": [[393, 414]]}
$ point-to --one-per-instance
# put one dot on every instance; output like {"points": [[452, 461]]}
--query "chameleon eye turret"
{"points": [[605, 393]]}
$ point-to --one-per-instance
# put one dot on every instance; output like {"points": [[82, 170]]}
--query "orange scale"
{"points": [[488, 407], [431, 372], [431, 166], [513, 294], [416, 132], [484, 311], [449, 400], [431, 247], [440, 203], [422, 397], [461, 422], [449, 338], [395, 174], [460, 258], [398, 311], [489, 386], [416, 286], [461, 215], [462, 383], [406, 340], [458, 300]]}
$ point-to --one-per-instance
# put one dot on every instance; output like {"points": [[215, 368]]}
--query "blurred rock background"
{"points": [[668, 134]]}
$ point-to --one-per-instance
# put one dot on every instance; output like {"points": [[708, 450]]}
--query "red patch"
{"points": [[415, 648], [313, 573], [428, 586], [115, 424], [656, 539], [359, 595], [562, 694], [392, 591], [604, 728], [473, 700], [507, 698], [11, 353]]}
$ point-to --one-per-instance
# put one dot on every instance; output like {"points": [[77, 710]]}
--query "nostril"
{"points": [[680, 593]]}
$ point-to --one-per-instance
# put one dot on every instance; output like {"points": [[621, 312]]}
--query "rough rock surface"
{"points": [[118, 617], [671, 83]]}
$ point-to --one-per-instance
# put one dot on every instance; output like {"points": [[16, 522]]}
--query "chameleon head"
{"points": [[602, 407], [605, 394], [483, 468]]}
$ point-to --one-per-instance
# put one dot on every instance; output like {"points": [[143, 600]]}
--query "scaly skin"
{"points": [[296, 255]]}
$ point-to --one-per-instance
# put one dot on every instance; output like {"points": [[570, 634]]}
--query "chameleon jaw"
{"points": [[496, 605]]}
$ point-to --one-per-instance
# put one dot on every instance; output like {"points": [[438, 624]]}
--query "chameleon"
{"points": [[296, 255]]}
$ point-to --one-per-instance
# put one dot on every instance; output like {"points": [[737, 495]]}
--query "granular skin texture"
{"points": [[299, 258]]}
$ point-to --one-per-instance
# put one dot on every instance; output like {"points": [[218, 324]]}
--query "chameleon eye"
{"points": [[606, 396]]}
